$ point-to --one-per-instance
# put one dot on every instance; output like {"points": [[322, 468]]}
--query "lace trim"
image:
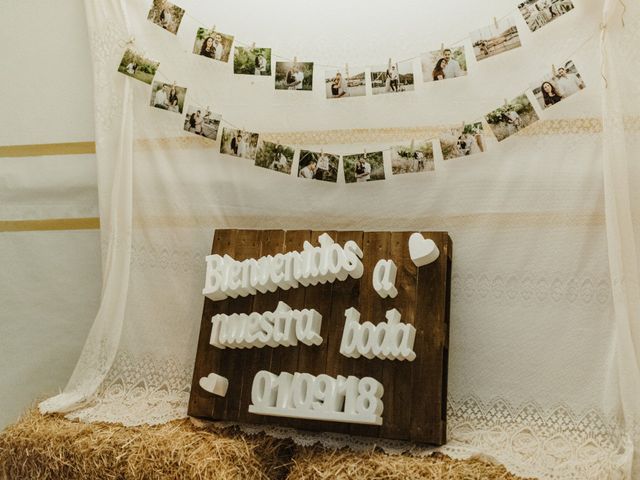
{"points": [[528, 439]]}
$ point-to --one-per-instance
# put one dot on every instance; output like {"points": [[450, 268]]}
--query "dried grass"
{"points": [[50, 447], [314, 463]]}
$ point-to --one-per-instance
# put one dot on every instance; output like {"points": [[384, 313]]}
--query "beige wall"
{"points": [[49, 280]]}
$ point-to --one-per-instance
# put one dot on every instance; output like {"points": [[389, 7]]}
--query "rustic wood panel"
{"points": [[415, 392]]}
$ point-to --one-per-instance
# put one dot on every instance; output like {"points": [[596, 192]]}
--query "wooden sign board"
{"points": [[415, 393]]}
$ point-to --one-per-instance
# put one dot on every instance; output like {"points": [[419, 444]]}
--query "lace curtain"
{"points": [[543, 369]]}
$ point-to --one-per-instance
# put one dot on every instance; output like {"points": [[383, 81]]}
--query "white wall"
{"points": [[49, 280]]}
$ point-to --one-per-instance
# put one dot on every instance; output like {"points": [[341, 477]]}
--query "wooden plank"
{"points": [[344, 295], [208, 358], [256, 359], [372, 309], [234, 360], [426, 422], [398, 390]]}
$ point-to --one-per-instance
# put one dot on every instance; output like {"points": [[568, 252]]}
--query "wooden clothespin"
{"points": [[463, 125], [506, 102], [295, 59], [213, 29], [389, 63], [346, 70], [321, 152], [554, 72], [495, 23], [253, 45], [412, 146], [442, 49]]}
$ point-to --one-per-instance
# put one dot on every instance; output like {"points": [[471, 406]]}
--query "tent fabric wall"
{"points": [[540, 338]]}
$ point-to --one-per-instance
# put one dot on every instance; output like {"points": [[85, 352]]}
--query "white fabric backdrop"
{"points": [[538, 344]]}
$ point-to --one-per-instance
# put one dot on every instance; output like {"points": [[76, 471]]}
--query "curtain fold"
{"points": [[621, 176]]}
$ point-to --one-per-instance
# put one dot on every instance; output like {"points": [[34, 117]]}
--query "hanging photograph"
{"points": [[468, 139], [252, 61], [537, 13], [443, 64], [394, 77], [318, 166], [168, 97], [136, 66], [202, 122], [560, 83], [511, 117], [212, 44], [239, 143], [412, 158], [275, 157], [342, 84], [501, 36], [166, 15], [363, 167], [294, 75]]}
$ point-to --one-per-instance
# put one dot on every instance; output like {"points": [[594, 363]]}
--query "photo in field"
{"points": [[511, 117], [443, 64], [560, 83], [168, 97], [468, 139], [166, 15], [294, 76], [203, 122], [274, 156], [412, 158], [363, 167], [136, 66], [212, 44], [392, 78], [499, 37], [252, 61], [239, 143], [318, 166], [343, 84], [538, 13]]}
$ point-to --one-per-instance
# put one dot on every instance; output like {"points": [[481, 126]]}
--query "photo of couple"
{"points": [[252, 61], [412, 158], [318, 166], [239, 143], [166, 15], [499, 37], [168, 97], [537, 13], [443, 64], [212, 44], [202, 122], [466, 140], [363, 167], [560, 84], [294, 76], [137, 66], [339, 84], [274, 156], [392, 78], [512, 117]]}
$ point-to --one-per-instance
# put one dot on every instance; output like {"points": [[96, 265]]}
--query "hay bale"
{"points": [[47, 447], [315, 463]]}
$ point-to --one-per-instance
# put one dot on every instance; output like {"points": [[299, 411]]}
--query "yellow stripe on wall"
{"points": [[42, 149], [89, 223]]}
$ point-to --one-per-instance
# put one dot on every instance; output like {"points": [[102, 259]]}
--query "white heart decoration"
{"points": [[214, 384], [422, 251]]}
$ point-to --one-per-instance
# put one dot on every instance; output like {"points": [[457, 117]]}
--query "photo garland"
{"points": [[393, 77]]}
